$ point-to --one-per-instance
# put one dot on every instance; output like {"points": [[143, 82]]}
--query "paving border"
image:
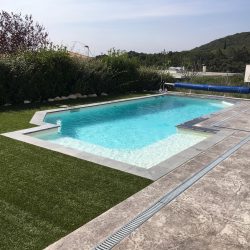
{"points": [[152, 173], [97, 230]]}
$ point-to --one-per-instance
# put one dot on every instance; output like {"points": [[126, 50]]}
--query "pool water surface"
{"points": [[140, 132]]}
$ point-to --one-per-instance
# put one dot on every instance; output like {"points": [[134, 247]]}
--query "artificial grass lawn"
{"points": [[45, 195]]}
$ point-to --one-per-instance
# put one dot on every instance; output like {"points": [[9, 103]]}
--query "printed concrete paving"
{"points": [[213, 214], [94, 232]]}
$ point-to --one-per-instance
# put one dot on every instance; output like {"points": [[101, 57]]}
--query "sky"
{"points": [[140, 25]]}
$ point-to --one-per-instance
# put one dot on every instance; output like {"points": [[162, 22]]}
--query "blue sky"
{"points": [[140, 25]]}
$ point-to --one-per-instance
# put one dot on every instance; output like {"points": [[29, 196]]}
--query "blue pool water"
{"points": [[131, 129]]}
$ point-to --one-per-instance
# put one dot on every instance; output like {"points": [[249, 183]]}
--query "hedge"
{"points": [[38, 76]]}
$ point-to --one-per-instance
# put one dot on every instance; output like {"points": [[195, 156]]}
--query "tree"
{"points": [[190, 68], [21, 33], [225, 44]]}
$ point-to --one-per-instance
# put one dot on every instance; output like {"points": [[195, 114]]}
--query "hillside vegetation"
{"points": [[228, 54], [228, 43]]}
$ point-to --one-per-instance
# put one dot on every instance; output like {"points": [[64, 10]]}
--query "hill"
{"points": [[236, 42], [227, 54]]}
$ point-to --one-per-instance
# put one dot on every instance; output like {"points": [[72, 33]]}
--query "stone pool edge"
{"points": [[154, 172]]}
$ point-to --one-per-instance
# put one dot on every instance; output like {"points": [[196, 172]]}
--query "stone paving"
{"points": [[213, 214]]}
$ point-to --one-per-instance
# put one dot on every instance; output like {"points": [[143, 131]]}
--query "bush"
{"points": [[236, 80], [4, 79], [94, 77], [50, 73], [148, 79], [44, 74], [124, 69], [36, 76]]}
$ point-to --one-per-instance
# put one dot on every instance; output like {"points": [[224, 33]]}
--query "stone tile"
{"points": [[100, 228], [213, 214], [241, 122]]}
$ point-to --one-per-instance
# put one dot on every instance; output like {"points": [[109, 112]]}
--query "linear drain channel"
{"points": [[119, 235]]}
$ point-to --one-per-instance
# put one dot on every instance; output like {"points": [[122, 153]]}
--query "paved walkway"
{"points": [[213, 214]]}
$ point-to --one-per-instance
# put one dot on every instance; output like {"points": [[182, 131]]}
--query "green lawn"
{"points": [[45, 195]]}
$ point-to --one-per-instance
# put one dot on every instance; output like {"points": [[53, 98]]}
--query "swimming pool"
{"points": [[140, 132]]}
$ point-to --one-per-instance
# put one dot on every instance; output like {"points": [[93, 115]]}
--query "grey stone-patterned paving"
{"points": [[213, 214]]}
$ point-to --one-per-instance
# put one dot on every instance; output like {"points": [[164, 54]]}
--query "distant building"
{"points": [[180, 73], [176, 69], [78, 55]]}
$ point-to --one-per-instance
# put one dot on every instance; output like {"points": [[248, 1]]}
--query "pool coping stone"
{"points": [[153, 173]]}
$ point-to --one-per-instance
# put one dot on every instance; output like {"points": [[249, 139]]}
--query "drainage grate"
{"points": [[119, 235], [110, 242]]}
